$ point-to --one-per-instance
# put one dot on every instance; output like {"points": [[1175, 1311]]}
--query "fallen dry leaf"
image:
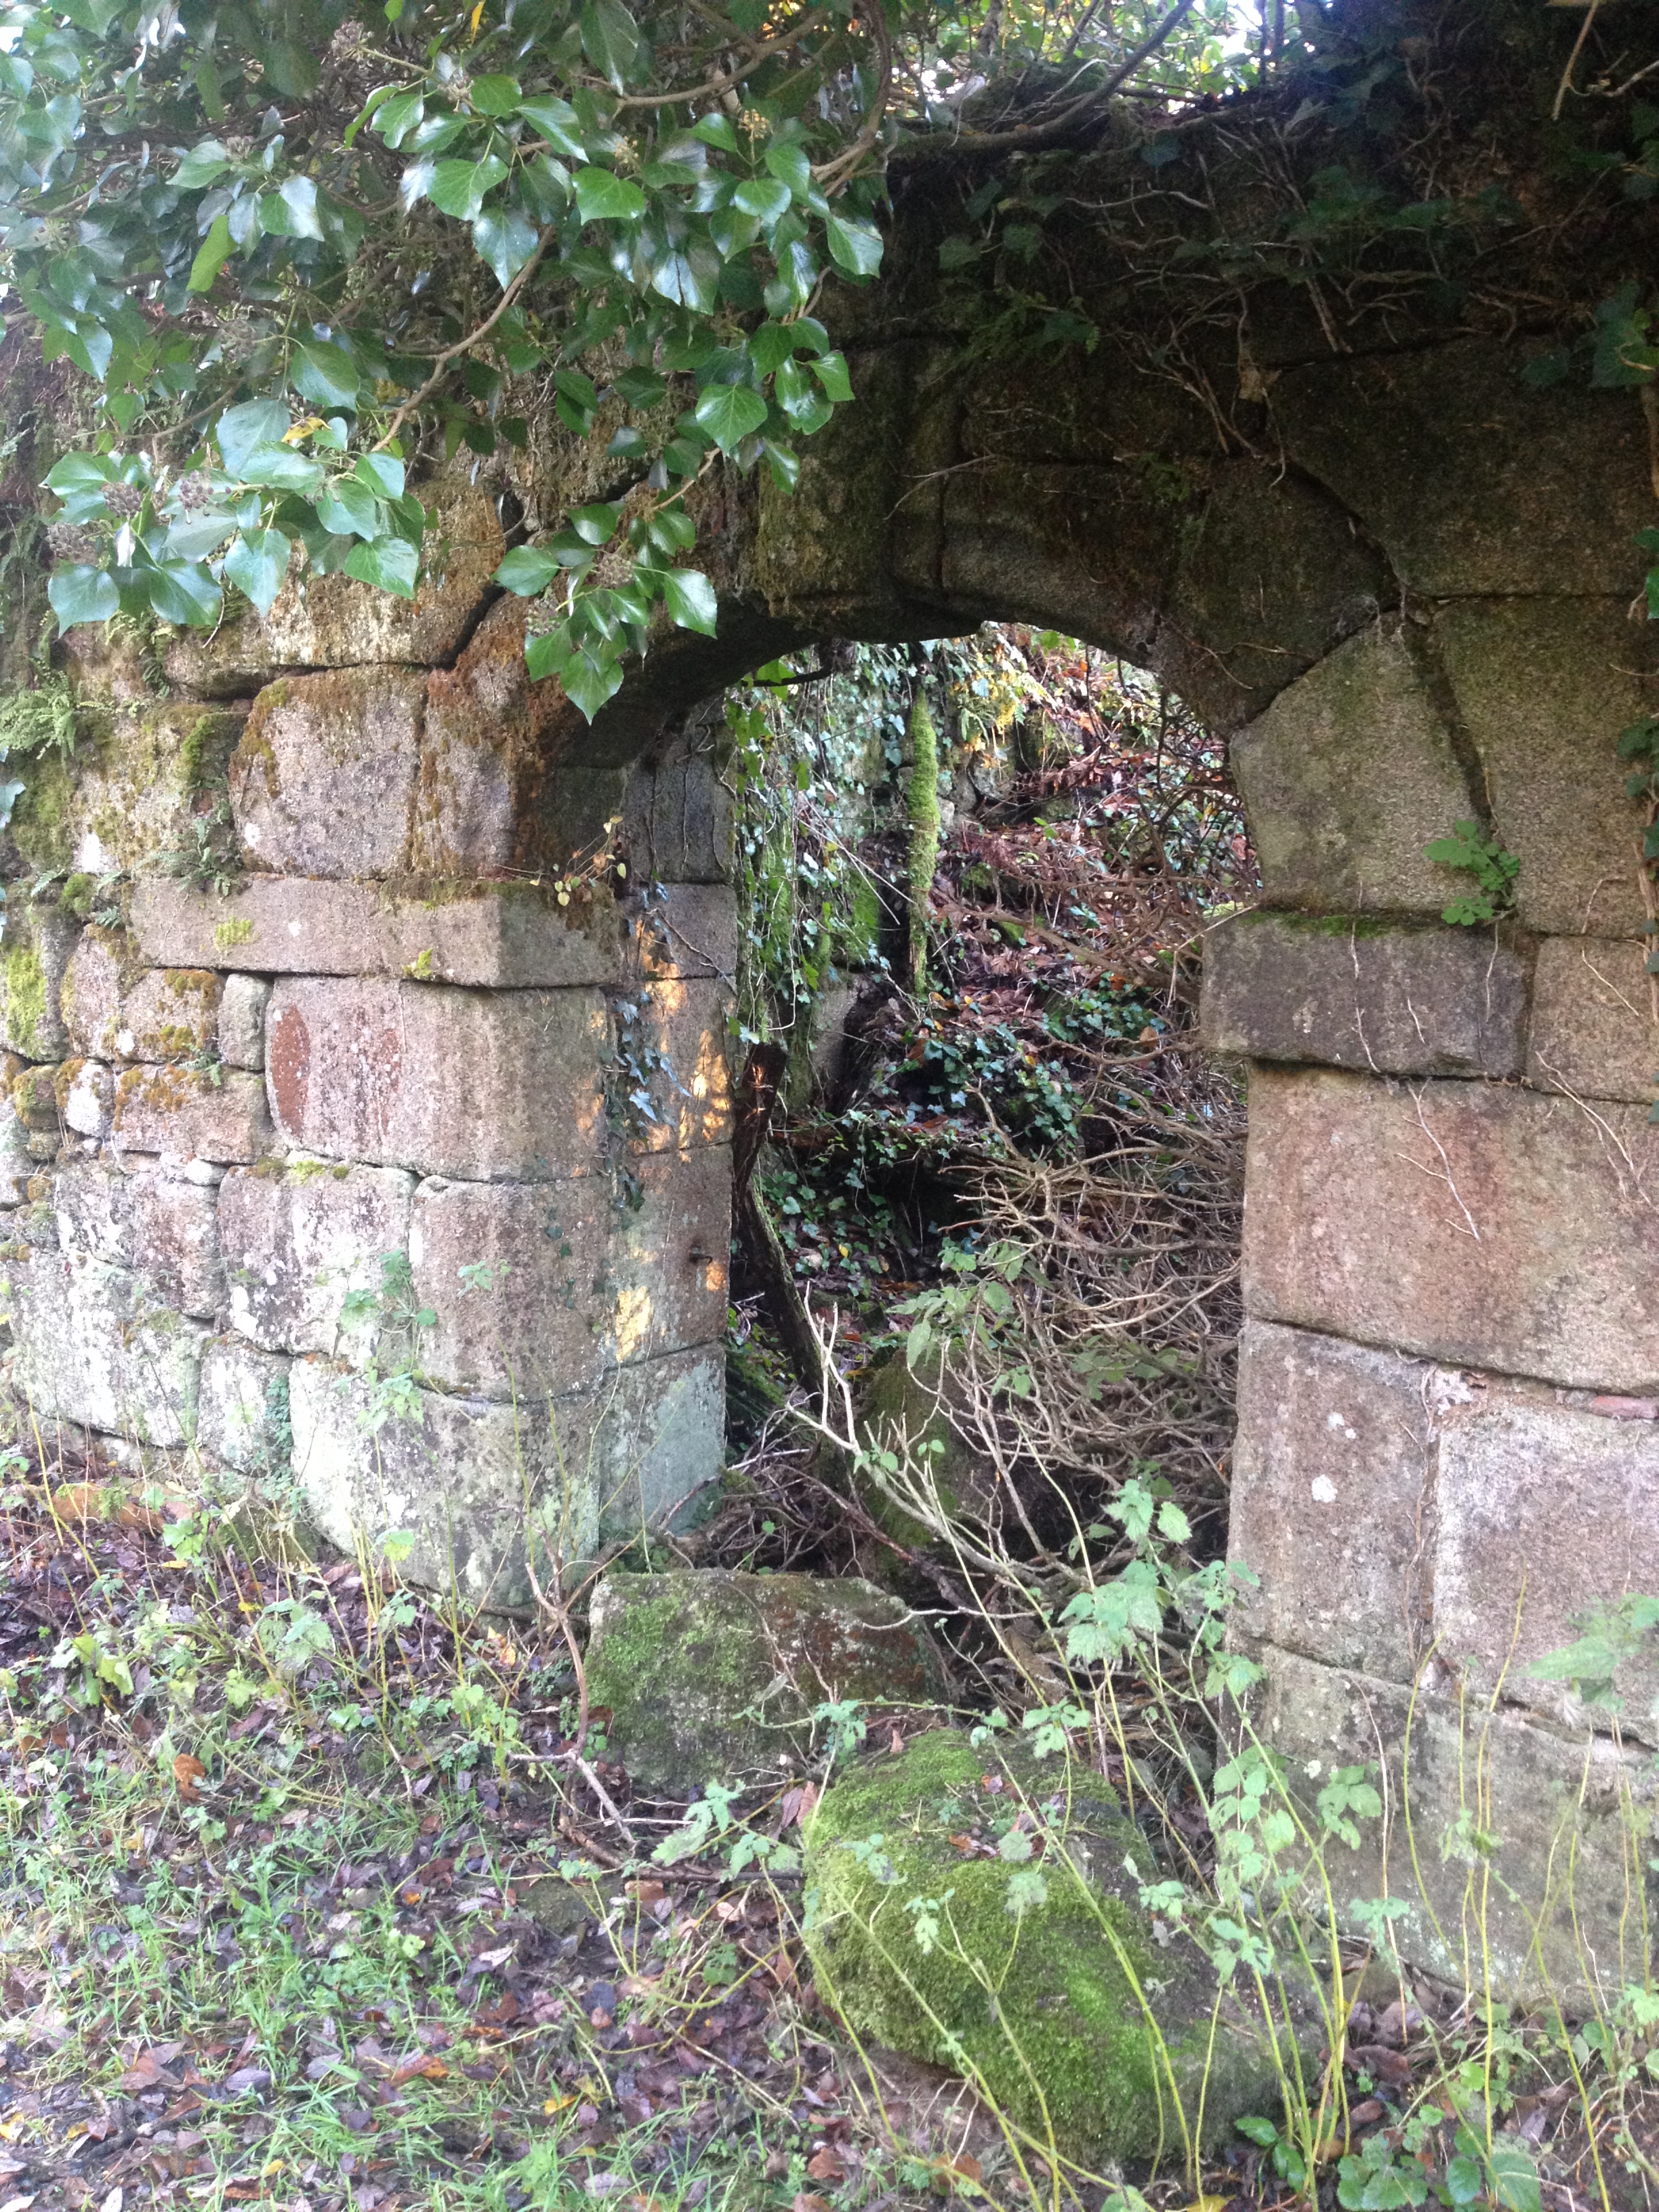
{"points": [[426, 2066], [188, 1772], [826, 2165], [806, 2202]]}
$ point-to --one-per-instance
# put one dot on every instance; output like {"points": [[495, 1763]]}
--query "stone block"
{"points": [[103, 969], [469, 1476], [298, 1243], [1349, 992], [1543, 1514], [540, 1287], [153, 1222], [176, 1111], [15, 1165], [1562, 1915], [446, 1082], [242, 1022], [489, 733], [1543, 688], [324, 778], [1592, 1031], [1331, 1469], [511, 938], [709, 1674], [669, 1045], [242, 1415], [170, 1013], [129, 795], [1475, 1224], [94, 1347], [1334, 831], [328, 622], [40, 941], [35, 1101], [88, 1089], [681, 820], [1473, 480]]}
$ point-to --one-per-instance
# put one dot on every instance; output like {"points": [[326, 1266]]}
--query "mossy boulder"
{"points": [[1074, 2009], [710, 1675], [901, 1410]]}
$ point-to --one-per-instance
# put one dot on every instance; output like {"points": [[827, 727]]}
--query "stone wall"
{"points": [[1448, 1416], [365, 1029]]}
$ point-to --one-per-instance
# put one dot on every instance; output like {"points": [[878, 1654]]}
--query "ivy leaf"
{"points": [[831, 370], [324, 374], [396, 117], [717, 130], [183, 592], [559, 123], [457, 188], [611, 40], [789, 165], [691, 599], [602, 197], [282, 468], [82, 594], [258, 565], [506, 241], [239, 429], [589, 682], [765, 199], [212, 254], [351, 510], [391, 562], [494, 95], [382, 473], [854, 247], [526, 570], [293, 212], [204, 165], [729, 412]]}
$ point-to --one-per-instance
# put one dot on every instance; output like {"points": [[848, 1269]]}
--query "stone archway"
{"points": [[1398, 573]]}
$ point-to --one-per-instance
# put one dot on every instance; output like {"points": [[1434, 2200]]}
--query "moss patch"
{"points": [[26, 998], [1050, 2004]]}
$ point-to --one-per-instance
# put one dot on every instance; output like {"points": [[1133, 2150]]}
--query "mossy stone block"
{"points": [[1072, 2015], [710, 1675]]}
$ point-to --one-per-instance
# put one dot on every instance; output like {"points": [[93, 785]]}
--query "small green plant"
{"points": [[1472, 849]]}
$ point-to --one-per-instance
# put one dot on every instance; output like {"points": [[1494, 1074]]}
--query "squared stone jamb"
{"points": [[469, 1476], [1331, 1500], [1434, 1217], [242, 1022], [1570, 1820], [324, 778], [299, 1243], [1332, 834], [540, 1287], [1592, 1031], [446, 1082], [1344, 991]]}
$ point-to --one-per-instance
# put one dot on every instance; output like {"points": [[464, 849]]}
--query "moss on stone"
{"points": [[1074, 2018], [922, 858], [40, 824], [26, 998]]}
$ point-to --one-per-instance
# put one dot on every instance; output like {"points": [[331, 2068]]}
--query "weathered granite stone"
{"points": [[104, 967], [126, 799], [1543, 1514], [323, 780], [39, 942], [298, 1243], [709, 1674], [326, 622], [140, 1216], [89, 1096], [1332, 1468], [15, 1165], [170, 1013], [242, 1414], [1353, 993], [487, 734], [1346, 777], [242, 1022], [513, 937], [1593, 1031], [1570, 1817], [681, 820], [177, 1111], [540, 1287], [95, 1347], [34, 1100], [467, 1476], [670, 1043], [447, 1082], [1544, 687], [1476, 1224]]}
